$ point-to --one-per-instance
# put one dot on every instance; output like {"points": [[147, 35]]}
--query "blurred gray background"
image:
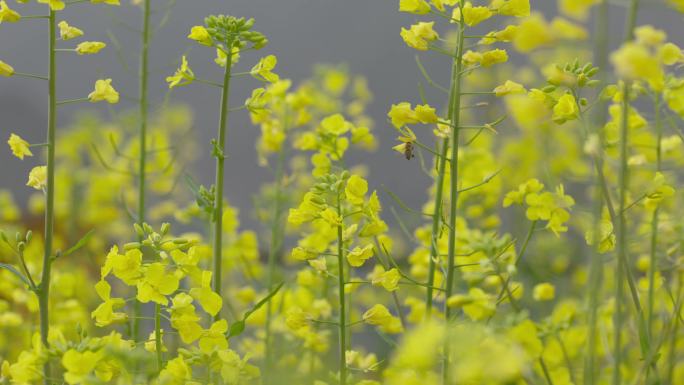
{"points": [[364, 34]]}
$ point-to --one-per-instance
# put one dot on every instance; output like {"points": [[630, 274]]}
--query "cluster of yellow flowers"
{"points": [[347, 283]]}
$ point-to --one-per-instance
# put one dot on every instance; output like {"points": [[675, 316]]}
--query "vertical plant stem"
{"points": [[158, 336], [596, 264], [455, 118], [142, 160], [342, 299], [218, 186], [653, 258], [436, 224], [273, 252], [623, 268], [44, 287]]}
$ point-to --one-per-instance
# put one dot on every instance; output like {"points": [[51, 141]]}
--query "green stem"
{"points": [[596, 264], [654, 234], [436, 222], [273, 252], [220, 161], [44, 288], [158, 336], [455, 117], [342, 299], [142, 160]]}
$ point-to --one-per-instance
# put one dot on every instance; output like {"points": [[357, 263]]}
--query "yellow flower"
{"points": [[419, 35], [211, 302], [67, 32], [377, 315], [214, 338], [532, 33], [55, 5], [544, 292], [426, 114], [79, 365], [104, 314], [516, 8], [90, 47], [200, 35], [388, 279], [509, 88], [335, 125], [184, 319], [578, 9], [108, 2], [356, 189], [648, 35], [262, 70], [7, 14], [439, 4], [565, 109], [472, 15], [358, 256], [331, 217], [104, 91], [635, 62], [402, 114], [492, 57], [20, 147], [176, 372], [156, 284], [658, 192], [670, 54], [418, 7], [6, 69], [38, 177], [126, 266], [183, 75], [296, 318]]}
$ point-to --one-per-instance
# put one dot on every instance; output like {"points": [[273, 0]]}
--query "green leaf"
{"points": [[238, 327], [16, 272], [81, 242]]}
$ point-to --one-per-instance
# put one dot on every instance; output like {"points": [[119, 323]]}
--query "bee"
{"points": [[408, 150]]}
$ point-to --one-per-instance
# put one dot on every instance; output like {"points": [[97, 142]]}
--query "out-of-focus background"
{"points": [[363, 34]]}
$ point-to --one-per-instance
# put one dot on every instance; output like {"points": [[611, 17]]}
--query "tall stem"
{"points": [[44, 287], [623, 271], [218, 186], [274, 250], [143, 72], [158, 336], [436, 222], [596, 265], [342, 299], [455, 118], [654, 238]]}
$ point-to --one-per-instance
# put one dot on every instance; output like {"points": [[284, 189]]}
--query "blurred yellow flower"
{"points": [[7, 14], [68, 32], [104, 91], [20, 147], [90, 47], [6, 69], [37, 177]]}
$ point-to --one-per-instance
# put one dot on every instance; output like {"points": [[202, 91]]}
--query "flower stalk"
{"points": [[455, 118], [43, 289], [142, 160], [219, 153]]}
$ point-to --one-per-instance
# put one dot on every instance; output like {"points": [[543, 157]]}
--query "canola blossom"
{"points": [[546, 250]]}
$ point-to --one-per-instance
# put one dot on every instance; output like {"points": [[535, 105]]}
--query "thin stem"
{"points": [[157, 336], [30, 75], [273, 252], [71, 101], [220, 161], [342, 299], [44, 287], [455, 117], [654, 233], [142, 160], [436, 221]]}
